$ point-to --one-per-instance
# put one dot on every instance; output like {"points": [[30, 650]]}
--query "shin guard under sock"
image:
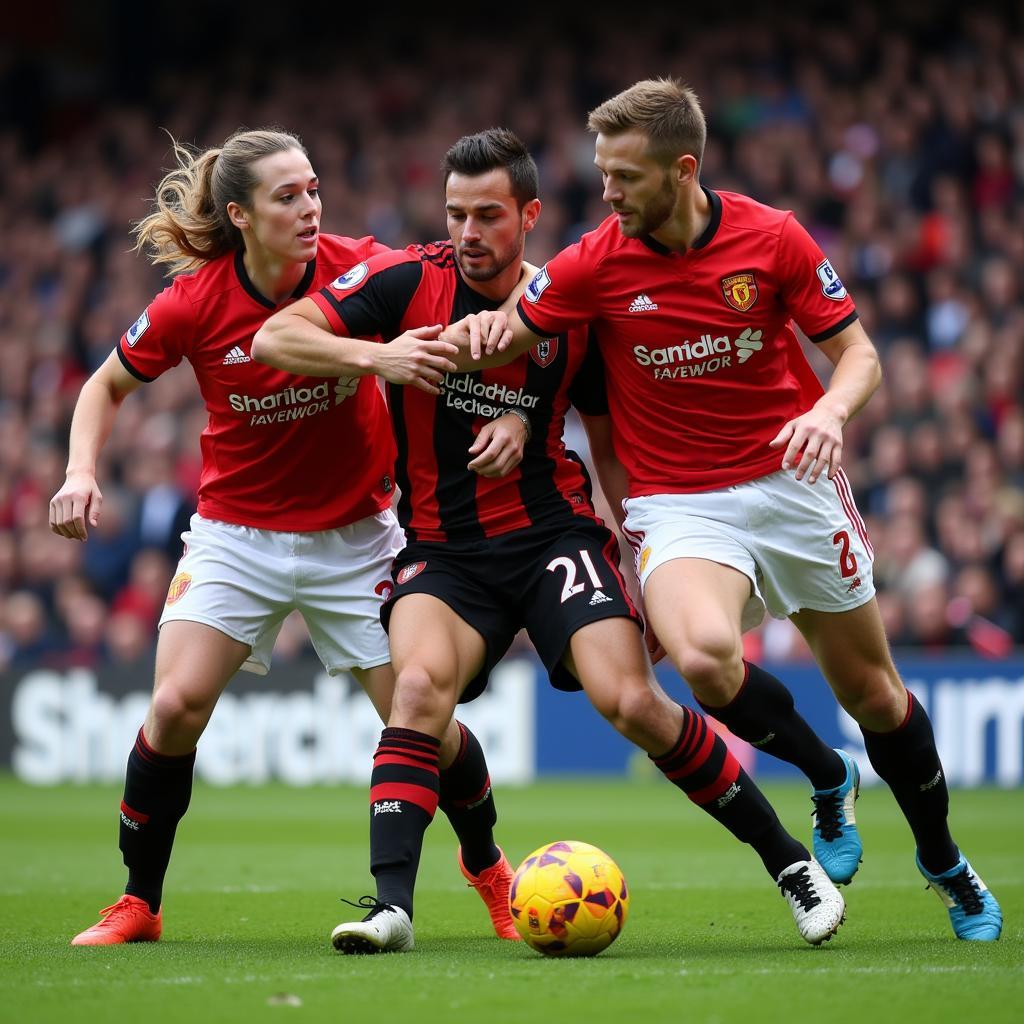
{"points": [[157, 790], [467, 801], [701, 765], [403, 799], [907, 760], [763, 714]]}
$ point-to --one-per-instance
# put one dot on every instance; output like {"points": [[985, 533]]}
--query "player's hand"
{"points": [[499, 446], [417, 358], [483, 333], [814, 442], [76, 506]]}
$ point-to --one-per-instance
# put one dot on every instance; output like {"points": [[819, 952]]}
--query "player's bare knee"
{"points": [[418, 693], [179, 711], [710, 666]]}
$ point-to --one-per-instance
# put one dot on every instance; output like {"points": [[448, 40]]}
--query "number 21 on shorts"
{"points": [[570, 588]]}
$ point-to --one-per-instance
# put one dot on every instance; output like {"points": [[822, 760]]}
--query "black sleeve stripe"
{"points": [[529, 323], [131, 369], [832, 331], [335, 305], [378, 307]]}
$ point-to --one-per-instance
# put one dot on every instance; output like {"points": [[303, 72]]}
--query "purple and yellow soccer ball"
{"points": [[569, 899]]}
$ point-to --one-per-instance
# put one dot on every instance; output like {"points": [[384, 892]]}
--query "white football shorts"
{"points": [[245, 581], [801, 545]]}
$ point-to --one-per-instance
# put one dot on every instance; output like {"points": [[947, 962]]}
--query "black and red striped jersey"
{"points": [[440, 498]]}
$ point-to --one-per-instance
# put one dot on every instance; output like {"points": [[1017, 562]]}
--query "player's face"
{"points": [[485, 223], [639, 189], [283, 216]]}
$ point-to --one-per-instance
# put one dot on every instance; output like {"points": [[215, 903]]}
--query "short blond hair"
{"points": [[666, 110]]}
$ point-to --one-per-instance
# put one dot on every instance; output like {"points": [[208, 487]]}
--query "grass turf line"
{"points": [[253, 890]]}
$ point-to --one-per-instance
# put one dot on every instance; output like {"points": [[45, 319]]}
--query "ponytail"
{"points": [[189, 225]]}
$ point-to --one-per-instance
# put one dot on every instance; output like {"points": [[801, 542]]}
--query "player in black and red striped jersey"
{"points": [[724, 429], [287, 518], [488, 556]]}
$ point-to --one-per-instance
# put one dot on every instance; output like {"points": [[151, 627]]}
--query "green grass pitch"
{"points": [[253, 891]]}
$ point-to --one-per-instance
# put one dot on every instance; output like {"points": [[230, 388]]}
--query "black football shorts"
{"points": [[550, 582]]}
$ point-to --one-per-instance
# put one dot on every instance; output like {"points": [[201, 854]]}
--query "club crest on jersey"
{"points": [[544, 352], [137, 329], [180, 583], [740, 291], [831, 286], [535, 289], [351, 279], [409, 571]]}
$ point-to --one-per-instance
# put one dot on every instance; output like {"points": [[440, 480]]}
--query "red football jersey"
{"points": [[280, 451], [703, 367], [442, 499]]}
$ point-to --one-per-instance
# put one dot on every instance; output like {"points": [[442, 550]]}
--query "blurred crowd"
{"points": [[897, 139]]}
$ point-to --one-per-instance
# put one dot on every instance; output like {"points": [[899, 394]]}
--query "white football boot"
{"points": [[817, 905], [385, 929]]}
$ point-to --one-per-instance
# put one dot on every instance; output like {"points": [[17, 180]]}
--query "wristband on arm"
{"points": [[526, 420]]}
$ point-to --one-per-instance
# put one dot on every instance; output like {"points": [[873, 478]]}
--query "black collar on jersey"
{"points": [[471, 298], [705, 236], [245, 281]]}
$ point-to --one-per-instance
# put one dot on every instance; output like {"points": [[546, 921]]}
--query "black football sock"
{"points": [[763, 714], [907, 761], [701, 765], [466, 799], [157, 790], [403, 799]]}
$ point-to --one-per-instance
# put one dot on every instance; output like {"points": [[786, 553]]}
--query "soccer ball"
{"points": [[568, 899]]}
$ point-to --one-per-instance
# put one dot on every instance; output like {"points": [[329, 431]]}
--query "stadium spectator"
{"points": [[896, 179]]}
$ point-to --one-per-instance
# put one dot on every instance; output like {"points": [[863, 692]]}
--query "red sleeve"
{"points": [[811, 290], [561, 294], [161, 337]]}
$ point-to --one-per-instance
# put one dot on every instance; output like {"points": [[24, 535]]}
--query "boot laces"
{"points": [[370, 903], [827, 810], [965, 891], [801, 888]]}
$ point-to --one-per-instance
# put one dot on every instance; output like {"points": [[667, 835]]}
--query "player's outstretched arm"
{"points": [[76, 506], [489, 339], [299, 340], [814, 440]]}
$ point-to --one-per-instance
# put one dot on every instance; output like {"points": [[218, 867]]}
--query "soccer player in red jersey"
{"points": [[737, 498], [488, 556], [294, 499]]}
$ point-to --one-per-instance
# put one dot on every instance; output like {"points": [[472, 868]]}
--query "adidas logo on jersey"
{"points": [[642, 304], [600, 597], [236, 355]]}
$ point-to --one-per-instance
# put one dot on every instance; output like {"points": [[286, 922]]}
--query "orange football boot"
{"points": [[493, 884], [128, 920]]}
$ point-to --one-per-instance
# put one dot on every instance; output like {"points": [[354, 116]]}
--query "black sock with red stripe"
{"points": [[763, 714], [701, 765], [157, 791], [403, 799], [466, 799], [907, 760]]}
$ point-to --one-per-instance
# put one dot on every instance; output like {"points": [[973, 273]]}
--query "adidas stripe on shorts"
{"points": [[245, 581], [801, 545]]}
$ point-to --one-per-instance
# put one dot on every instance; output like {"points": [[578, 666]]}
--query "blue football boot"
{"points": [[837, 845], [973, 910]]}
